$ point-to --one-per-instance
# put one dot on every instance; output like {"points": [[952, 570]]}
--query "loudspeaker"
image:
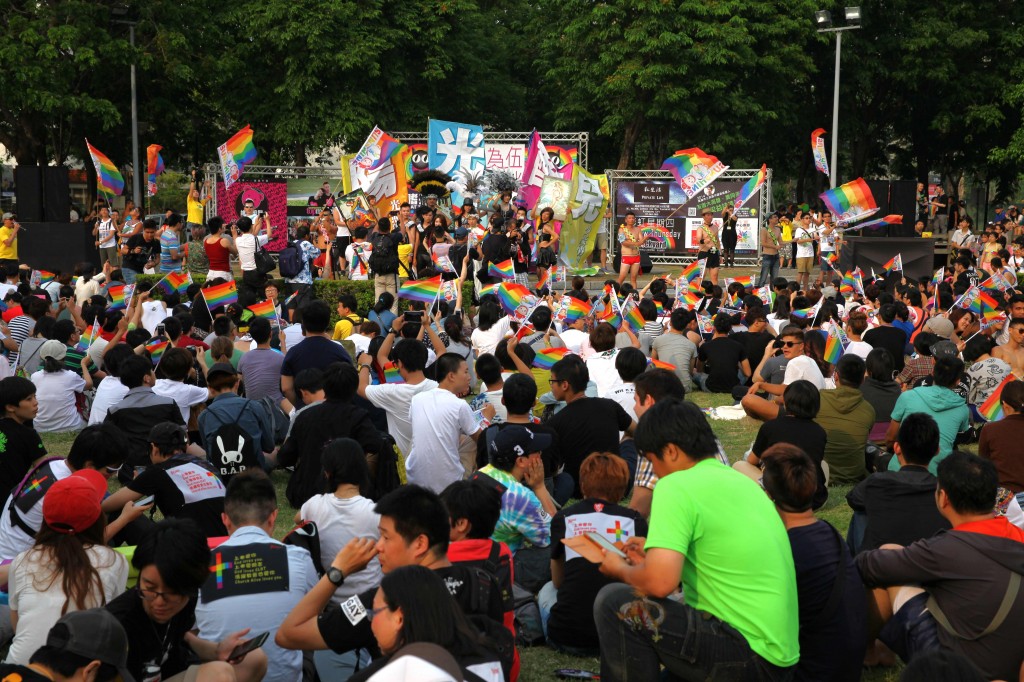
{"points": [[56, 195], [866, 253], [28, 181]]}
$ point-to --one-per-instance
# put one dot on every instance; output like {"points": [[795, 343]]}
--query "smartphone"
{"points": [[574, 674], [159, 330], [145, 501], [413, 315], [602, 542], [248, 645]]}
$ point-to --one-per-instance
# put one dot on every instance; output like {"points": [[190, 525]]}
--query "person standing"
{"points": [[771, 244], [383, 261], [9, 241], [141, 251], [708, 246], [301, 284], [105, 232], [630, 240], [247, 244], [803, 239], [218, 250], [171, 251], [729, 237], [195, 203]]}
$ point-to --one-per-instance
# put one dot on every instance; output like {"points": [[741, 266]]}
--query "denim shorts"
{"points": [[912, 630]]}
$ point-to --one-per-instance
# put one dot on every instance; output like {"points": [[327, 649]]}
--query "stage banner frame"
{"points": [[662, 209]]}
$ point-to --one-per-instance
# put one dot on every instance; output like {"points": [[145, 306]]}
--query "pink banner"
{"points": [[538, 165], [270, 196]]}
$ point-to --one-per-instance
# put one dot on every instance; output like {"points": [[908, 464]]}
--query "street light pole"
{"points": [[136, 179], [824, 20], [835, 110]]}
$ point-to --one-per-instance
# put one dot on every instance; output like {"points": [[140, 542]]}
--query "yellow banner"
{"points": [[588, 200]]}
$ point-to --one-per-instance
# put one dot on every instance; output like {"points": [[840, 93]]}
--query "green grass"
{"points": [[538, 663]]}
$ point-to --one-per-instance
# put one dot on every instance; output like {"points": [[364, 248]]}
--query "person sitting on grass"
{"points": [[798, 366]]}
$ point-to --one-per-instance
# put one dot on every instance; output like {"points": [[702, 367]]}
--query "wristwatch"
{"points": [[335, 576]]}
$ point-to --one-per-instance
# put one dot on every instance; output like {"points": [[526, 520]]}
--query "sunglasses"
{"points": [[790, 344]]}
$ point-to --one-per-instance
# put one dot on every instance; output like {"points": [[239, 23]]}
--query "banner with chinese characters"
{"points": [[588, 199], [387, 187], [662, 209]]}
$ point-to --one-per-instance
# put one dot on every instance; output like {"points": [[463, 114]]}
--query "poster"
{"points": [[267, 195], [306, 196], [554, 193], [662, 203]]}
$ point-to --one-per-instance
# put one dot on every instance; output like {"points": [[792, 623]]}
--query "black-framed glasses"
{"points": [[168, 597], [555, 381], [790, 344], [372, 613]]}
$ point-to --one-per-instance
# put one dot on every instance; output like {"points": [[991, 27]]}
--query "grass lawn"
{"points": [[538, 663]]}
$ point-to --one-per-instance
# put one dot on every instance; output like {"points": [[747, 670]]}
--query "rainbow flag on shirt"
{"points": [[120, 296], [504, 269], [220, 295], [108, 178], [265, 309], [392, 375], [658, 364], [421, 290], [992, 408], [511, 295], [156, 349], [175, 282], [547, 357]]}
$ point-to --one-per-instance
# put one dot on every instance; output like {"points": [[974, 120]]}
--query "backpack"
{"points": [[307, 536], [384, 255], [232, 449], [25, 496], [387, 476], [290, 260], [278, 419]]}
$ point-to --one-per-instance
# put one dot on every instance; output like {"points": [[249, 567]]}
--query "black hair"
{"points": [[222, 326], [573, 370], [850, 370], [316, 316], [723, 324], [676, 422], [416, 511], [488, 369], [260, 329], [947, 371], [802, 399], [541, 318], [310, 380], [790, 477], [104, 445], [659, 384], [630, 363], [887, 312], [344, 462], [918, 438], [489, 314], [411, 353], [65, 663], [63, 330], [178, 549], [879, 364], [137, 337], [340, 381], [476, 502], [680, 318], [349, 301], [969, 481], [519, 394], [250, 498], [524, 351], [133, 370], [448, 363], [976, 347]]}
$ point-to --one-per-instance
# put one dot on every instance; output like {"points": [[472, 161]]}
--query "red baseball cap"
{"points": [[72, 504]]}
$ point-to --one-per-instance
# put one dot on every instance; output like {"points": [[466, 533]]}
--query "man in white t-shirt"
{"points": [[798, 367], [357, 255], [803, 237], [827, 238], [439, 417], [176, 364], [248, 240]]}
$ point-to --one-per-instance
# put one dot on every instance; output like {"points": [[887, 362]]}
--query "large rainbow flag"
{"points": [[108, 178], [422, 290], [750, 188], [154, 167], [236, 154], [850, 202], [511, 295], [693, 169]]}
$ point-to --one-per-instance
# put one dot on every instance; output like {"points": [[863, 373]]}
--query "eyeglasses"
{"points": [[790, 344], [555, 381], [168, 597], [373, 612]]}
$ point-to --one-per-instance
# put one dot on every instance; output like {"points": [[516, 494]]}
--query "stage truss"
{"points": [[616, 176]]}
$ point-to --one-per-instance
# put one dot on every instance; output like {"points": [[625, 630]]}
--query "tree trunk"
{"points": [[632, 133], [300, 154]]}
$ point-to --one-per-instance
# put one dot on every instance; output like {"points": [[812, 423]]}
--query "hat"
{"points": [[8, 216], [520, 441], [94, 634], [221, 368], [167, 433], [828, 292], [940, 326], [944, 350], [53, 349], [461, 233], [72, 504], [706, 210]]}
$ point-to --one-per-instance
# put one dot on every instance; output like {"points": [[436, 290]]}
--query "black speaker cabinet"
{"points": [[28, 181], [56, 195]]}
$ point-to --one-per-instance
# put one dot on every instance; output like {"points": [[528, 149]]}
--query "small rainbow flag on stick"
{"points": [[392, 375], [834, 346], [86, 339], [874, 224], [750, 188], [547, 357], [693, 275], [576, 310], [235, 155], [155, 166], [156, 348], [42, 276], [175, 282], [631, 314], [610, 316], [895, 263], [511, 295], [265, 309], [442, 263], [121, 297], [422, 290], [220, 295], [504, 269], [992, 408], [108, 178]]}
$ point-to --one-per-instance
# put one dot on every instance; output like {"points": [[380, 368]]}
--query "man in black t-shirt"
{"points": [[20, 445], [723, 359], [584, 425], [757, 337], [141, 250], [184, 486], [886, 336]]}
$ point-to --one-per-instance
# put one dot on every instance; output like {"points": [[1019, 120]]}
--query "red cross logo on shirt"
{"points": [[618, 530]]}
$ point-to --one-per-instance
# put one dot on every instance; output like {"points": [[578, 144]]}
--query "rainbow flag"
{"points": [[895, 263], [765, 294], [693, 169], [155, 166], [875, 224], [108, 178], [807, 313], [156, 348], [542, 277], [87, 337], [847, 287], [705, 325], [658, 364], [220, 295], [660, 307], [750, 188], [422, 290], [996, 283], [547, 357], [121, 297], [818, 150], [44, 276], [236, 154], [503, 269], [175, 282], [688, 300], [511, 295], [442, 263], [850, 202], [631, 314], [746, 280], [392, 375], [377, 150], [557, 274], [694, 272], [576, 310], [265, 309], [989, 308], [939, 275], [832, 259], [992, 408], [610, 316], [833, 345]]}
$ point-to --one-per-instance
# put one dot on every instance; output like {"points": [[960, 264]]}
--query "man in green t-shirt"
{"points": [[716, 530]]}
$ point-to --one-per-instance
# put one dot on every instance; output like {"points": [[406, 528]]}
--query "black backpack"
{"points": [[387, 477], [290, 261], [232, 449], [384, 255], [307, 536]]}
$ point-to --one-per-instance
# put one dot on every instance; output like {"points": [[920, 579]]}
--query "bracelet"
{"points": [[364, 366], [484, 423]]}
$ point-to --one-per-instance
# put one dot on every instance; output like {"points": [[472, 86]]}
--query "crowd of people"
{"points": [[468, 477]]}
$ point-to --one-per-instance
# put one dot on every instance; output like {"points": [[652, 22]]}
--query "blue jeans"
{"points": [[129, 275], [639, 635], [769, 269], [335, 667]]}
